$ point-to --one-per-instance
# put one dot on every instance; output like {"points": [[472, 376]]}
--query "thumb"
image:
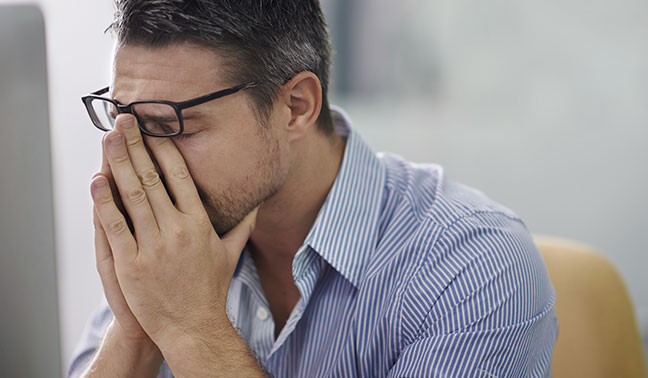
{"points": [[236, 238]]}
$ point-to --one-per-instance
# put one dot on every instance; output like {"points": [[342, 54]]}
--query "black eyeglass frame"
{"points": [[177, 106]]}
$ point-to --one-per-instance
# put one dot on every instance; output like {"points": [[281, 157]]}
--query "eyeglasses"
{"points": [[154, 118]]}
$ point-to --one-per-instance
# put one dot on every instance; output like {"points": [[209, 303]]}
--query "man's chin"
{"points": [[222, 226], [224, 223]]}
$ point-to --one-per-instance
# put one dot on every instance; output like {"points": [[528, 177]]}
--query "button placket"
{"points": [[262, 313]]}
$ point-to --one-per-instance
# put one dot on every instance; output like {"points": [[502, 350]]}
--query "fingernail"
{"points": [[100, 182], [115, 139]]}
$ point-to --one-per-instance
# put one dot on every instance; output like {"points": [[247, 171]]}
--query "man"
{"points": [[273, 241]]}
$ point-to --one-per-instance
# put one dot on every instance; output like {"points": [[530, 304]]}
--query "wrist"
{"points": [[180, 335], [180, 340], [140, 347], [192, 355], [217, 348], [123, 356]]}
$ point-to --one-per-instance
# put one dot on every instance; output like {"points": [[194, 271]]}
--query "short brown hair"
{"points": [[270, 40]]}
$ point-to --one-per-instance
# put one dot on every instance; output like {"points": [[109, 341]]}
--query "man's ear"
{"points": [[303, 96]]}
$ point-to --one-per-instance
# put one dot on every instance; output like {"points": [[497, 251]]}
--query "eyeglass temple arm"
{"points": [[101, 91], [215, 95]]}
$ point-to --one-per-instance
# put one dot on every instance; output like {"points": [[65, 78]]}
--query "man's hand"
{"points": [[126, 349], [173, 270], [125, 322]]}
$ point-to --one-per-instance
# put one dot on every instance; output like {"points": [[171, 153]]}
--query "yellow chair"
{"points": [[598, 334]]}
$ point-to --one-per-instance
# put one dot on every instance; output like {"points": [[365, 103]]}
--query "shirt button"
{"points": [[262, 313]]}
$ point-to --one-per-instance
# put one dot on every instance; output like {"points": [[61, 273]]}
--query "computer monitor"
{"points": [[29, 335]]}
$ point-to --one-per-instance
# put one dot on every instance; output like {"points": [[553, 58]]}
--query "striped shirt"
{"points": [[403, 274]]}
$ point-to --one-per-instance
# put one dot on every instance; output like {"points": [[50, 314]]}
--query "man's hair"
{"points": [[264, 41]]}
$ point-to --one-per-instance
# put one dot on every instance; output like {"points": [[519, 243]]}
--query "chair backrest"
{"points": [[598, 334]]}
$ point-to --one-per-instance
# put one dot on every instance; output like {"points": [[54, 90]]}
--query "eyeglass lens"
{"points": [[157, 119], [105, 113]]}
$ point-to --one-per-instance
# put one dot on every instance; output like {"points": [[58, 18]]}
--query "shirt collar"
{"points": [[345, 231]]}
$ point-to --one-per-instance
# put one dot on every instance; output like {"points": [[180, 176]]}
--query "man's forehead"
{"points": [[173, 73]]}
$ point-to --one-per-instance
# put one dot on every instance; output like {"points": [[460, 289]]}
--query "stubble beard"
{"points": [[228, 208]]}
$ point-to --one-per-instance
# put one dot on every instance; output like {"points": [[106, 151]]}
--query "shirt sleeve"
{"points": [[481, 305], [90, 339]]}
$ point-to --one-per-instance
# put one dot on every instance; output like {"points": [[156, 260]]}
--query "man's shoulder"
{"points": [[429, 223], [461, 257], [424, 191]]}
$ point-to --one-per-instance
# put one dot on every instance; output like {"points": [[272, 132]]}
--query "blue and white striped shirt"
{"points": [[403, 274]]}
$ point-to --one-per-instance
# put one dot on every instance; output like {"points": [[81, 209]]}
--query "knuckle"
{"points": [[158, 246], [203, 223], [104, 267], [137, 196], [180, 235], [105, 200], [150, 178], [121, 158], [161, 141], [118, 227], [181, 173], [138, 267], [134, 141], [136, 270]]}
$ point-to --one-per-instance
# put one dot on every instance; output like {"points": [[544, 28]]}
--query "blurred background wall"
{"points": [[543, 106]]}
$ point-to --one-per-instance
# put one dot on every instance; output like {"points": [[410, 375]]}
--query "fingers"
{"points": [[112, 222], [105, 167], [176, 173], [236, 239], [105, 170], [133, 195], [143, 165], [106, 269], [103, 253]]}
